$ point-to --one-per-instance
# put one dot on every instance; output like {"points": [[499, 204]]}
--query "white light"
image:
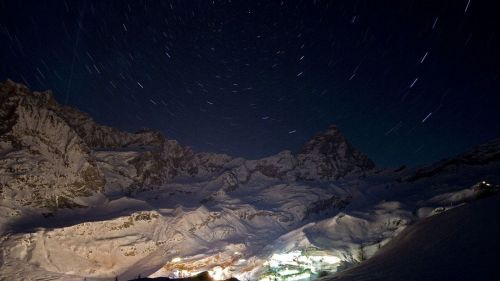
{"points": [[304, 259], [298, 265], [177, 259], [288, 272], [217, 273], [286, 258], [301, 276], [326, 259]]}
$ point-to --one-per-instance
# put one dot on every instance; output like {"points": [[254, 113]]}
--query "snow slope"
{"points": [[461, 244]]}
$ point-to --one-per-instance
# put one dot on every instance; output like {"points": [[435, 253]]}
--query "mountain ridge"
{"points": [[81, 200], [158, 159]]}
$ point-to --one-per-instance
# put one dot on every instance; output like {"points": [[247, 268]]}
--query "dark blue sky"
{"points": [[408, 82]]}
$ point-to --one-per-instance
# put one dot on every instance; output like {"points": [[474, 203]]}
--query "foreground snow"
{"points": [[236, 236], [461, 244]]}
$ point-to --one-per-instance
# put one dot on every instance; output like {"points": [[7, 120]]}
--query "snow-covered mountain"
{"points": [[44, 163], [82, 200], [461, 244]]}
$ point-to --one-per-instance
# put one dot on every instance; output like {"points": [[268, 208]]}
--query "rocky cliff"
{"points": [[44, 162], [53, 154]]}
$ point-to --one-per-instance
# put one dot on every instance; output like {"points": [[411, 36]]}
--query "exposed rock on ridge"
{"points": [[44, 163], [76, 155], [330, 156]]}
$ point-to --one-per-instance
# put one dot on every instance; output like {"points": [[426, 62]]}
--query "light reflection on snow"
{"points": [[289, 266], [218, 273], [178, 259], [298, 265]]}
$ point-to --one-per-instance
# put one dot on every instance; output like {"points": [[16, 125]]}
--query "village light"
{"points": [[177, 259]]}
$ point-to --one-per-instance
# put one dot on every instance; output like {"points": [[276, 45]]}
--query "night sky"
{"points": [[408, 82]]}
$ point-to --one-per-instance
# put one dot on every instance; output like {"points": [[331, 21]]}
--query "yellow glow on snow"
{"points": [[297, 265], [177, 259], [217, 273]]}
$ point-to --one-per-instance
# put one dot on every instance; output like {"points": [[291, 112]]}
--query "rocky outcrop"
{"points": [[101, 137], [327, 156], [330, 156], [480, 155], [280, 166], [51, 147], [98, 136], [155, 167], [44, 162]]}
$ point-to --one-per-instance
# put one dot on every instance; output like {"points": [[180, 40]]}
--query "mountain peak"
{"points": [[332, 130], [332, 155], [326, 142]]}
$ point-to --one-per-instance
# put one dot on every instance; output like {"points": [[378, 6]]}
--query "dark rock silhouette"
{"points": [[204, 276]]}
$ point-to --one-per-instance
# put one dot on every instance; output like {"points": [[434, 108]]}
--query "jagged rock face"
{"points": [[99, 136], [480, 155], [171, 160], [280, 166], [329, 156], [55, 138], [210, 163], [44, 161], [36, 124], [159, 166], [159, 161]]}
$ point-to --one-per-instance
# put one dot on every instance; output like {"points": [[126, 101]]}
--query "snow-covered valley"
{"points": [[81, 200]]}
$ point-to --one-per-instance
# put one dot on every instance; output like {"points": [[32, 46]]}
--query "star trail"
{"points": [[408, 82]]}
